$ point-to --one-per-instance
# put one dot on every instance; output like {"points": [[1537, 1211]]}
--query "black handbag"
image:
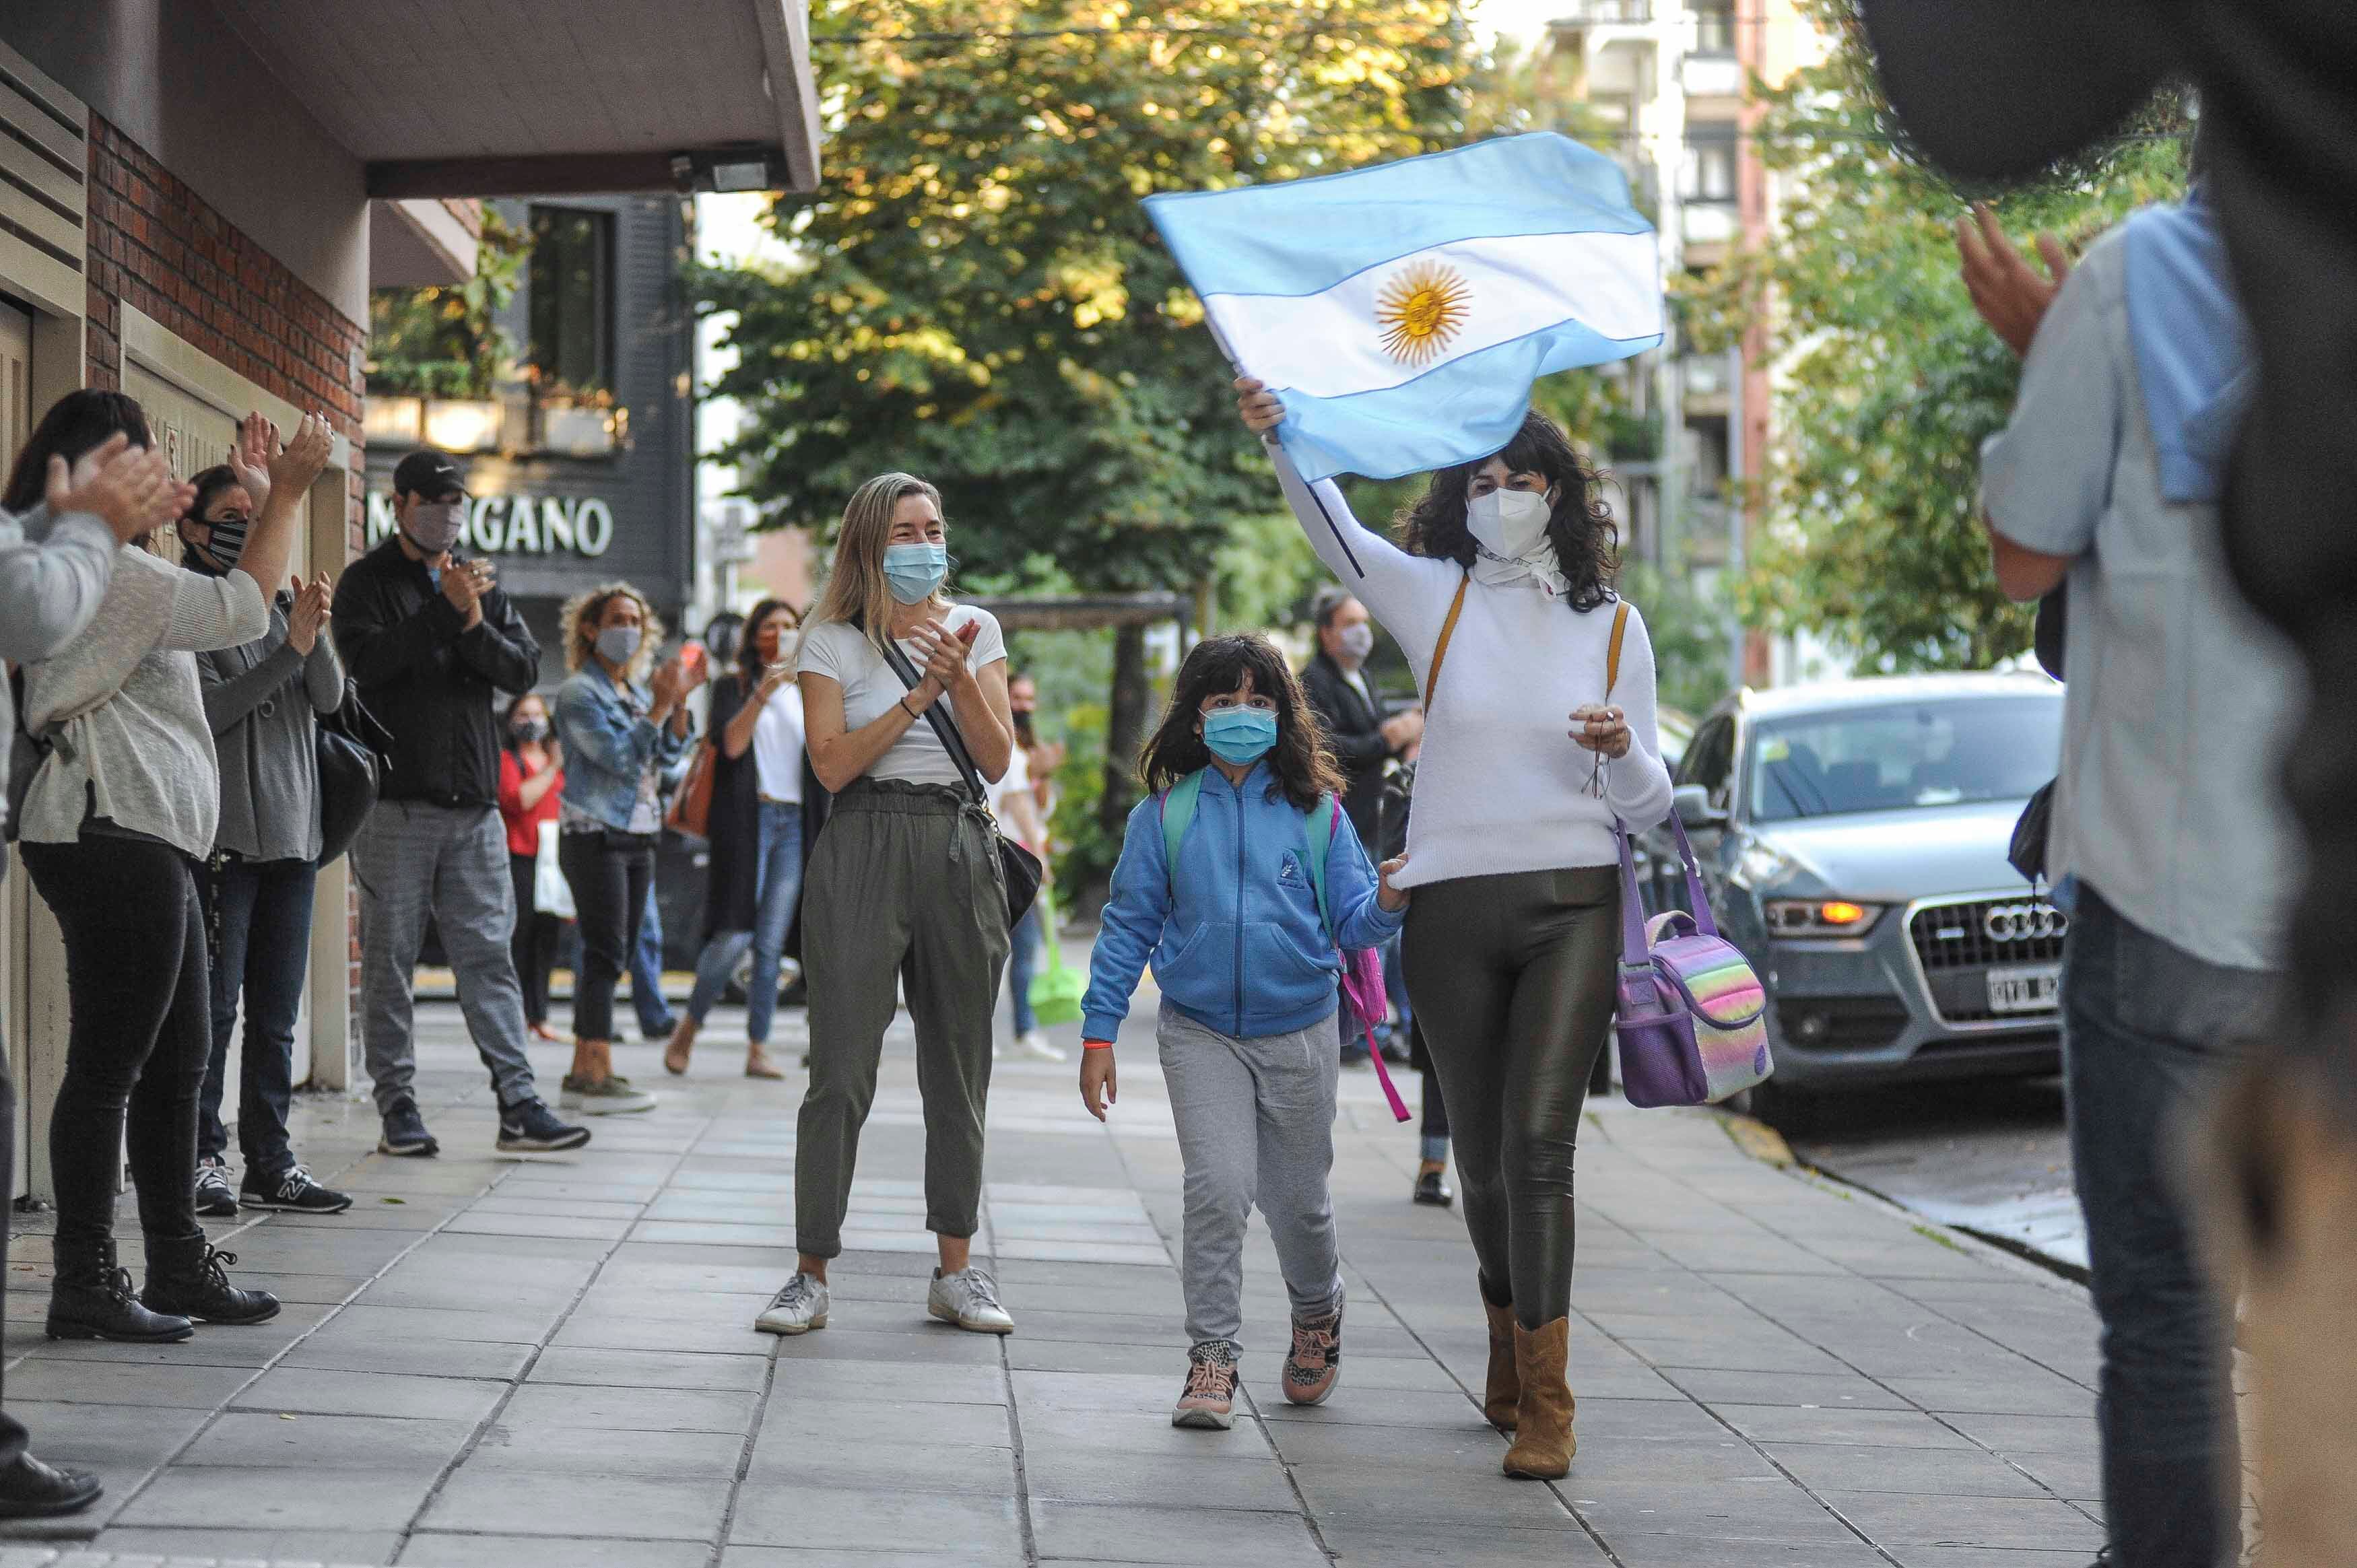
{"points": [[1022, 868], [353, 748], [2027, 853]]}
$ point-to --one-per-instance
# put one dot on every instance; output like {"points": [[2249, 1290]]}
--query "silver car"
{"points": [[1852, 841]]}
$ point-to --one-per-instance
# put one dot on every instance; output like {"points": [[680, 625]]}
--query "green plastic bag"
{"points": [[1055, 991]]}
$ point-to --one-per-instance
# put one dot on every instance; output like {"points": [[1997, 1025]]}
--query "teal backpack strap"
{"points": [[1321, 841], [1178, 816]]}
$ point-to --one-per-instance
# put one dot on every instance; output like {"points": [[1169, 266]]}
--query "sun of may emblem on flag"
{"points": [[1422, 306]]}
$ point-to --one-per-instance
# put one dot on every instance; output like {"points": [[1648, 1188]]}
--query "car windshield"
{"points": [[1904, 757]]}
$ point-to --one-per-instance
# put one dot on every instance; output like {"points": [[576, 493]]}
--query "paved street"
{"points": [[500, 1362], [1989, 1156]]}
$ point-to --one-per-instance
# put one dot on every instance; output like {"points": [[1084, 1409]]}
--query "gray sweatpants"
{"points": [[1255, 1125], [905, 892], [412, 860]]}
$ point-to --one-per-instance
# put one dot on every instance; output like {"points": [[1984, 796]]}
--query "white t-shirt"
{"points": [[843, 654], [777, 746]]}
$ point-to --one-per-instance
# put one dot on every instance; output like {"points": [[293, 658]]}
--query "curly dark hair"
{"points": [[1587, 541], [1304, 767]]}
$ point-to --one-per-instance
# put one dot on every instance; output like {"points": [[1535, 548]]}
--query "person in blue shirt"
{"points": [[1230, 870]]}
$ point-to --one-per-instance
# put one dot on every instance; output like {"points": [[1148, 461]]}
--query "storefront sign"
{"points": [[518, 525]]}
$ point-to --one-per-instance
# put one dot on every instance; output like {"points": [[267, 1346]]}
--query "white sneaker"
{"points": [[970, 1299], [1034, 1044], [797, 1309], [613, 1096]]}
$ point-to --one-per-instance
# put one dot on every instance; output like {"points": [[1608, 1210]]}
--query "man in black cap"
{"points": [[431, 641]]}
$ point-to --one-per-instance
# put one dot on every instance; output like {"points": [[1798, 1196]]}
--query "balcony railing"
{"points": [[1711, 76], [1709, 222], [1593, 13]]}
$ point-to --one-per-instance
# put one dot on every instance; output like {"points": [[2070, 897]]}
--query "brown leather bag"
{"points": [[691, 810]]}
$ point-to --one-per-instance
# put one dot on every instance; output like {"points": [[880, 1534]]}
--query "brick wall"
{"points": [[155, 246]]}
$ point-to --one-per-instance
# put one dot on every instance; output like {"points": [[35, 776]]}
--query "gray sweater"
{"points": [[260, 698], [53, 571]]}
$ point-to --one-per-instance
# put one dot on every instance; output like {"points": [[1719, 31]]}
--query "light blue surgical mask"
{"points": [[1240, 735], [915, 571]]}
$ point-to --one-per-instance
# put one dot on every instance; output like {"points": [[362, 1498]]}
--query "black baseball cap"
{"points": [[429, 474]]}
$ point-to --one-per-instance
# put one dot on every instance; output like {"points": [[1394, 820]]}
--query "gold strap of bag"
{"points": [[1457, 608]]}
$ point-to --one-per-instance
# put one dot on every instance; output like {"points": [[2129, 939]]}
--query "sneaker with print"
{"points": [[1209, 1399], [292, 1192], [1316, 1362]]}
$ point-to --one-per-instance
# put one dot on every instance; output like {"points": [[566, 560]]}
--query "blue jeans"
{"points": [[646, 973], [2150, 1033], [778, 883], [1022, 959], [259, 915]]}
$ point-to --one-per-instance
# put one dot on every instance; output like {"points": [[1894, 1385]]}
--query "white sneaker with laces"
{"points": [[797, 1309], [968, 1298], [1034, 1044]]}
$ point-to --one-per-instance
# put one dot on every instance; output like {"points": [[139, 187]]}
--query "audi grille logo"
{"points": [[2025, 923]]}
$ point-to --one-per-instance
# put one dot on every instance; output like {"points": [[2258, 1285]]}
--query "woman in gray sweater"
{"points": [[255, 888]]}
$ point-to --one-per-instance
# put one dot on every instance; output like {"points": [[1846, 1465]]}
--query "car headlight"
{"points": [[1820, 918]]}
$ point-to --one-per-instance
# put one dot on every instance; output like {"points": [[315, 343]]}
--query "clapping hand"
{"points": [[250, 455], [130, 488], [464, 583], [299, 461], [943, 652], [2006, 289], [312, 608]]}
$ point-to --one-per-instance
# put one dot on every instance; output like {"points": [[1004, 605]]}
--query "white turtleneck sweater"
{"points": [[1500, 786]]}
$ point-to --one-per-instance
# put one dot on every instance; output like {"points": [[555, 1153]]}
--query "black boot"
{"points": [[30, 1489], [91, 1299], [188, 1275]]}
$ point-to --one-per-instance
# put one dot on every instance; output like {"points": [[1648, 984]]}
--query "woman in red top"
{"points": [[531, 786]]}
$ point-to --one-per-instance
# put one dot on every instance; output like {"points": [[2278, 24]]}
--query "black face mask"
{"points": [[1023, 733], [224, 547], [528, 730]]}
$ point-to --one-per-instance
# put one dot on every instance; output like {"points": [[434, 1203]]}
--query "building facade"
{"points": [[196, 199], [582, 468]]}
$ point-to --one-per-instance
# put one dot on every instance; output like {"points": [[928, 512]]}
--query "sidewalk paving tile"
{"points": [[552, 1360]]}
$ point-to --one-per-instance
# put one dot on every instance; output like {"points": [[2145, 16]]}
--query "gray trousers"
{"points": [[905, 890], [1255, 1125], [413, 860]]}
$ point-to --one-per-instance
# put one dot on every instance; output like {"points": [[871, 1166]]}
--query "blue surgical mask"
{"points": [[1240, 735], [915, 571]]}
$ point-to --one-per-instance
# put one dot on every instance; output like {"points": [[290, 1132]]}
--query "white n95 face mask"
{"points": [[1510, 524]]}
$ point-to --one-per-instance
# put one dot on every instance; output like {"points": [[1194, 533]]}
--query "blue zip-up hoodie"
{"points": [[1235, 937]]}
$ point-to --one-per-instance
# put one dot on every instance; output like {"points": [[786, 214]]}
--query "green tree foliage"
{"points": [[443, 340], [1887, 382]]}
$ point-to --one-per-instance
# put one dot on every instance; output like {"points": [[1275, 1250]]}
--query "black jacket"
{"points": [[431, 684], [1354, 731]]}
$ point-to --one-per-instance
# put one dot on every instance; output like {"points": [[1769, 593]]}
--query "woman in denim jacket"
{"points": [[620, 733]]}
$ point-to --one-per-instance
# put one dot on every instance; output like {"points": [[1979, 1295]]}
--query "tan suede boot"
{"points": [[1503, 1388], [1542, 1441]]}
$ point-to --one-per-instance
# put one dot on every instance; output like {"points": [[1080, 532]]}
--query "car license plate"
{"points": [[2033, 988]]}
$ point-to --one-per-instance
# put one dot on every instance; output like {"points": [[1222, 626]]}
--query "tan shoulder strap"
{"points": [[1612, 651], [1448, 629]]}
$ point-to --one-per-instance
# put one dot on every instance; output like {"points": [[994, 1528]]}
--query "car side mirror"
{"points": [[1692, 803]]}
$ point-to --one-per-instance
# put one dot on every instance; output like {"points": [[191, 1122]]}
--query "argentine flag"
{"points": [[1403, 310]]}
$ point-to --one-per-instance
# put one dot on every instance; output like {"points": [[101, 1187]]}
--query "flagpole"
{"points": [[1270, 439]]}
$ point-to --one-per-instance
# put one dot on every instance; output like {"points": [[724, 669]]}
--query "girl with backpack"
{"points": [[1240, 878]]}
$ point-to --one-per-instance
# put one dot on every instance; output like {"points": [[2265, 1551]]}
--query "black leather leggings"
{"points": [[1511, 981]]}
